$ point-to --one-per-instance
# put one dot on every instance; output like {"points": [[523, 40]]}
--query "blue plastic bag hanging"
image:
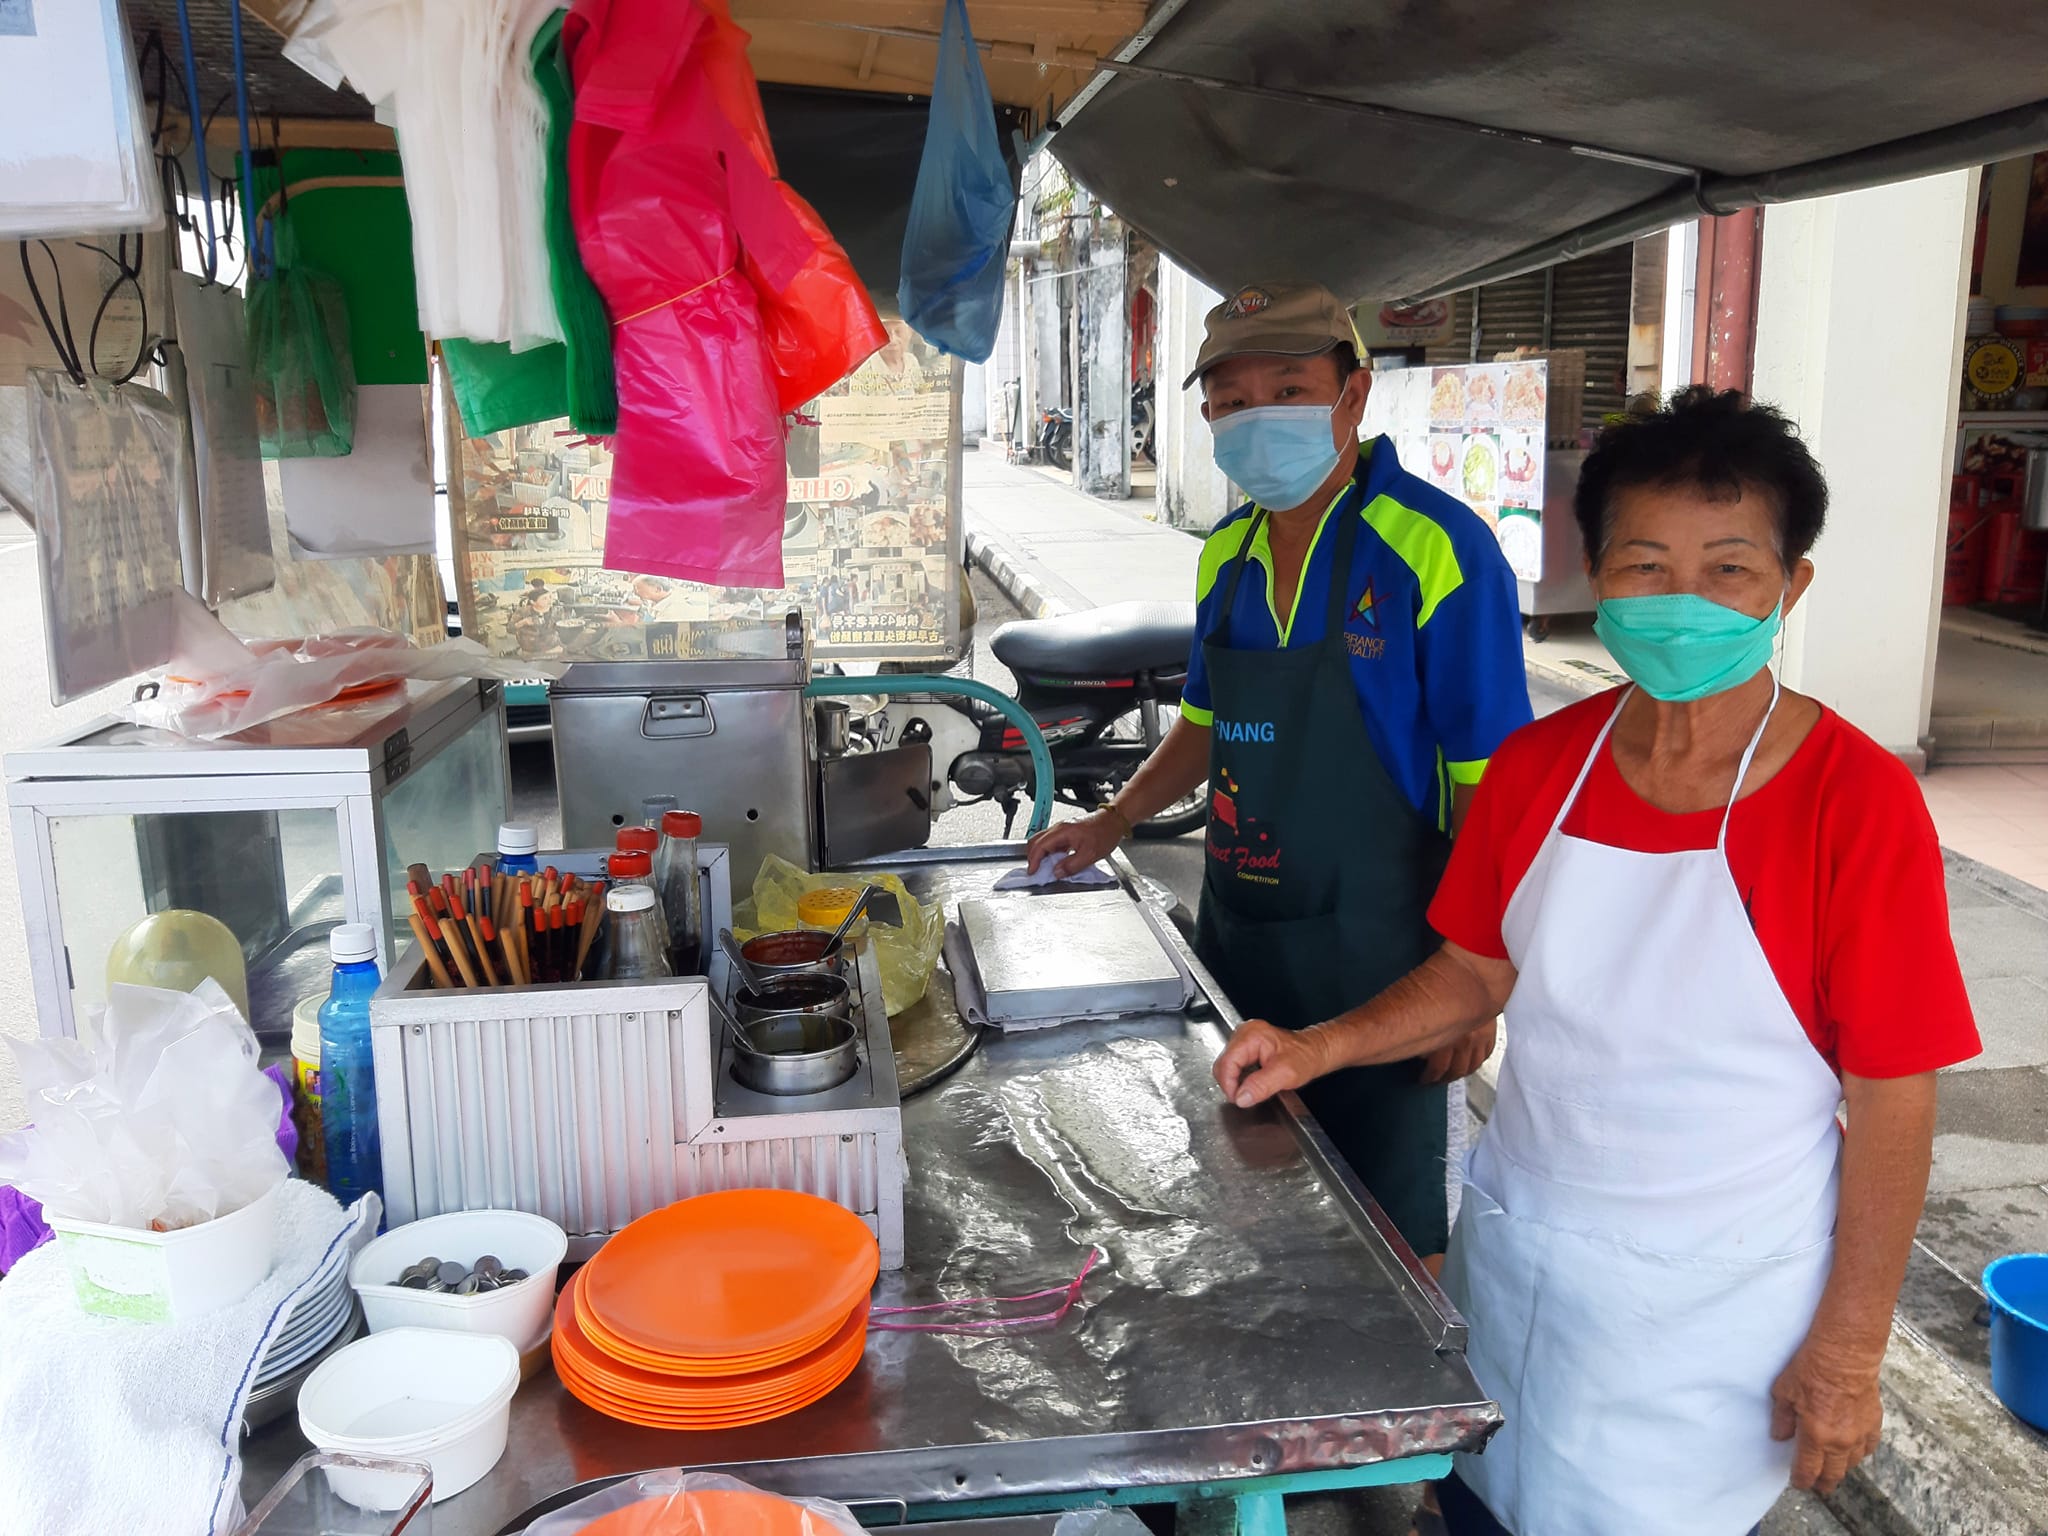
{"points": [[958, 235]]}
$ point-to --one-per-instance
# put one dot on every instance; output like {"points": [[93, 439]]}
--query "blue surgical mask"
{"points": [[1277, 454], [1679, 646]]}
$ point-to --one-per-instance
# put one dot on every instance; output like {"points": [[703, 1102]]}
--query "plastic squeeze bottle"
{"points": [[348, 1080], [517, 844]]}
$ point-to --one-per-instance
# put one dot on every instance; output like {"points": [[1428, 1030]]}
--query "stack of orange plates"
{"points": [[719, 1311]]}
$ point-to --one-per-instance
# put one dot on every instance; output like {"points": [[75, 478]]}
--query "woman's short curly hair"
{"points": [[1719, 441]]}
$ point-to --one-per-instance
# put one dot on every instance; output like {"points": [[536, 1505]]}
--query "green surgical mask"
{"points": [[1679, 646]]}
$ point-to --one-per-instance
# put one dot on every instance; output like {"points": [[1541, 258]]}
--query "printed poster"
{"points": [[871, 535], [1475, 431]]}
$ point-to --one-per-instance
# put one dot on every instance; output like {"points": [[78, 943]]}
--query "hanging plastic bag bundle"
{"points": [[820, 322], [299, 349], [958, 234]]}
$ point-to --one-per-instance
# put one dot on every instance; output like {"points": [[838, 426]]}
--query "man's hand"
{"points": [[1261, 1061], [1827, 1398], [1087, 841], [1461, 1058]]}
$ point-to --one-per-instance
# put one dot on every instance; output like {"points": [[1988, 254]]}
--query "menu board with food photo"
{"points": [[870, 542], [1476, 431]]}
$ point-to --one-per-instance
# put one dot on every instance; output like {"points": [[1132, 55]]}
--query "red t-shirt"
{"points": [[1836, 860]]}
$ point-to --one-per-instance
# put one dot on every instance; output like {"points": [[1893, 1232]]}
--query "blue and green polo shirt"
{"points": [[1434, 628]]}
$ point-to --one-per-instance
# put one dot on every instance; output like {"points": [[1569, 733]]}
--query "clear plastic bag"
{"points": [[74, 150], [696, 1504], [165, 1121], [299, 350], [907, 950], [221, 685], [107, 462], [958, 234]]}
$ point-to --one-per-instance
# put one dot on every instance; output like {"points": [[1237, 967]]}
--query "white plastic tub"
{"points": [[522, 1313], [412, 1394], [158, 1277]]}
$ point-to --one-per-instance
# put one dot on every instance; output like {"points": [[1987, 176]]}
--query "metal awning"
{"points": [[1392, 150]]}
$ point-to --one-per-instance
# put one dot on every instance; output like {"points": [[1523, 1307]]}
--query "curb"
{"points": [[1012, 576], [1952, 1462], [1582, 678]]}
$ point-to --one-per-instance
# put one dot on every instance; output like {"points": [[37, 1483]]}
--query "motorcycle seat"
{"points": [[1121, 638]]}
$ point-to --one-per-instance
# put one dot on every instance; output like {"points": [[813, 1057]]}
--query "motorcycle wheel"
{"points": [[1186, 814], [1062, 455]]}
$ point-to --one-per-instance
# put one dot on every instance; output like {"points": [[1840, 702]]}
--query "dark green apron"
{"points": [[1317, 876]]}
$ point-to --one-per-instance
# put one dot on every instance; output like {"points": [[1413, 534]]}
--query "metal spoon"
{"points": [[748, 974], [860, 905]]}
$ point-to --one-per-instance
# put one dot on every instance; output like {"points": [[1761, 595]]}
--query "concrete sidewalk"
{"points": [[1954, 1462]]}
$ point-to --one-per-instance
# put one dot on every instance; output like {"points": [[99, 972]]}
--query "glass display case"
{"points": [[280, 832]]}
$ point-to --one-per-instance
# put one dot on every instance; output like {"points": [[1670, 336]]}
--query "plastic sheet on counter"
{"points": [[674, 1503], [164, 1121], [220, 685]]}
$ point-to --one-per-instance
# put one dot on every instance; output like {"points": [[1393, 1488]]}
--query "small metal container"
{"points": [[791, 1053], [794, 952], [799, 996]]}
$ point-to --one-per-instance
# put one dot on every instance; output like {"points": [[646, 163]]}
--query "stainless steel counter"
{"points": [[1250, 1317]]}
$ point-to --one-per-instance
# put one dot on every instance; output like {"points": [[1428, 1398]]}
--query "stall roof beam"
{"points": [[1400, 151]]}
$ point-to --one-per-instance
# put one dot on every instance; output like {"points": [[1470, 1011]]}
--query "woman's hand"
{"points": [[1261, 1061], [1827, 1400]]}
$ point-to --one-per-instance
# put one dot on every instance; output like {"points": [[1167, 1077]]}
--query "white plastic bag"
{"points": [[220, 685], [164, 1122], [700, 1504]]}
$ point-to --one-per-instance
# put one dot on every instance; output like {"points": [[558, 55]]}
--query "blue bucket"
{"points": [[2018, 1287]]}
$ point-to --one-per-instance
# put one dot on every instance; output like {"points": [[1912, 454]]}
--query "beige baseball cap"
{"points": [[1287, 319]]}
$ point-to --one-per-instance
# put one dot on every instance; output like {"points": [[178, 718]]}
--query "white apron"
{"points": [[1648, 1216]]}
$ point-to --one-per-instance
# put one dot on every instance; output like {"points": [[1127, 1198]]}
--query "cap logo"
{"points": [[1246, 302]]}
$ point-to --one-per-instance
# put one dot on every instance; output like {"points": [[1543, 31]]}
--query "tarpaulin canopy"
{"points": [[1394, 150]]}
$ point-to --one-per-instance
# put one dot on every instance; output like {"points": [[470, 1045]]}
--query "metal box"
{"points": [[1068, 955], [730, 740], [280, 832]]}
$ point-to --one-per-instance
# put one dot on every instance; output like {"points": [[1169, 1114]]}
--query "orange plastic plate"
{"points": [[664, 1390], [614, 1348], [729, 1511], [744, 1272], [656, 1417]]}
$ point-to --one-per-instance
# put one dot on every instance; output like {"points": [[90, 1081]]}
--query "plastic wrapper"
{"points": [[221, 685], [497, 389], [165, 1121], [106, 466], [299, 351], [958, 233], [906, 951], [74, 150], [675, 1503]]}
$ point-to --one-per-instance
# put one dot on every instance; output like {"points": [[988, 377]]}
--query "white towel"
{"points": [[136, 1427]]}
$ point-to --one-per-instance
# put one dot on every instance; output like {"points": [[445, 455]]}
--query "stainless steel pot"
{"points": [[805, 996], [790, 1053], [794, 952]]}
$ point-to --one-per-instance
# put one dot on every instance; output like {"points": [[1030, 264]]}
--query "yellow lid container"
{"points": [[826, 908]]}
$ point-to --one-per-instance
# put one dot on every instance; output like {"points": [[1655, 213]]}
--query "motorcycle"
{"points": [[1102, 686], [1056, 437]]}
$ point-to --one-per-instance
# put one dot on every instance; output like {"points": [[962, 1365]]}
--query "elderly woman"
{"points": [[1712, 911]]}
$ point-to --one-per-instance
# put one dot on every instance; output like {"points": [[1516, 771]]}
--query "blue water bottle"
{"points": [[517, 844], [348, 1079]]}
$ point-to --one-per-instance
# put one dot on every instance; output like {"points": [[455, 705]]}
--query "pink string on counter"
{"points": [[1070, 1292]]}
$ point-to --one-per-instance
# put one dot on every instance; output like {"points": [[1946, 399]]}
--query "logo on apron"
{"points": [[1236, 841]]}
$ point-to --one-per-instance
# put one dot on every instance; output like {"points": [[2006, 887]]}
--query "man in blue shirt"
{"points": [[1359, 659]]}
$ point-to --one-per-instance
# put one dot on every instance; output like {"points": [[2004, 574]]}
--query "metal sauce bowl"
{"points": [[787, 1053], [793, 952], [803, 995]]}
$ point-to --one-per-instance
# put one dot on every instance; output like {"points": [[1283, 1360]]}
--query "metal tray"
{"points": [[1068, 955]]}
